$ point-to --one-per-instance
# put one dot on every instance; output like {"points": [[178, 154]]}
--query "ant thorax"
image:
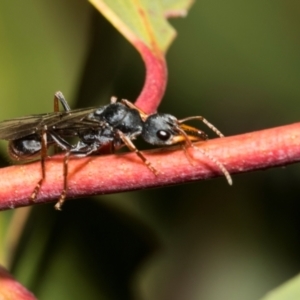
{"points": [[116, 117]]}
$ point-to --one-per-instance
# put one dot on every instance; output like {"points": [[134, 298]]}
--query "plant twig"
{"points": [[125, 172], [155, 81]]}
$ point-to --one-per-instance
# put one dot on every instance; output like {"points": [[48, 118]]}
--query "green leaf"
{"points": [[144, 20], [144, 24], [288, 291]]}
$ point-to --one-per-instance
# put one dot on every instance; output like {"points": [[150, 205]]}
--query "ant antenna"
{"points": [[217, 163], [208, 124], [210, 157]]}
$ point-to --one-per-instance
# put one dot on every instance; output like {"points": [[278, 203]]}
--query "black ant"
{"points": [[115, 125]]}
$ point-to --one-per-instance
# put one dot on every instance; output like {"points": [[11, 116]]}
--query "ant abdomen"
{"points": [[28, 147]]}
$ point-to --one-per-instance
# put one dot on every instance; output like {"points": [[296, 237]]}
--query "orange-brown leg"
{"points": [[63, 194], [212, 158], [56, 104], [43, 156], [188, 155], [59, 97], [132, 148]]}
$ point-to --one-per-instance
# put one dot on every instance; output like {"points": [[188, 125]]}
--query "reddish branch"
{"points": [[155, 81], [125, 172]]}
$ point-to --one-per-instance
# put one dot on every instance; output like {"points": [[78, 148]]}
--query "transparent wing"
{"points": [[23, 126]]}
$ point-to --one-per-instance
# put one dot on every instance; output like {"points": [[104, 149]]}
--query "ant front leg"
{"points": [[132, 148]]}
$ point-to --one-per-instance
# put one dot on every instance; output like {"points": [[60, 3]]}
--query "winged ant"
{"points": [[116, 125]]}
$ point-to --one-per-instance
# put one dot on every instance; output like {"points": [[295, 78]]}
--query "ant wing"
{"points": [[73, 119], [20, 127]]}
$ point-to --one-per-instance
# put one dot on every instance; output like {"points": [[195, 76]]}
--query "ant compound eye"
{"points": [[163, 135]]}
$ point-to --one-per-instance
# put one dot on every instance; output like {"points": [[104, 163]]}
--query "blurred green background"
{"points": [[235, 62]]}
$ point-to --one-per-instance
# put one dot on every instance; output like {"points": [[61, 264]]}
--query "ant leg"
{"points": [[143, 115], [43, 156], [210, 157], [59, 141], [63, 194], [76, 152], [64, 145], [193, 134], [58, 96], [188, 155], [79, 151], [55, 102], [132, 148], [208, 124]]}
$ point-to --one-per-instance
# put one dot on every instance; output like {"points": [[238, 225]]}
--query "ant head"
{"points": [[165, 129]]}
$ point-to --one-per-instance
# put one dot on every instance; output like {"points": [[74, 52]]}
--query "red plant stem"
{"points": [[155, 81], [125, 172]]}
